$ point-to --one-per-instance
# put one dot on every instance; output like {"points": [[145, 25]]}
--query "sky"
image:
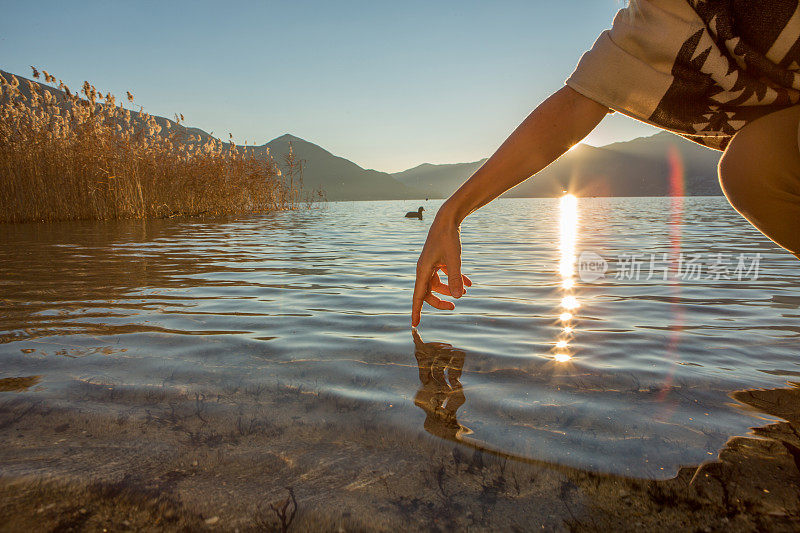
{"points": [[386, 84]]}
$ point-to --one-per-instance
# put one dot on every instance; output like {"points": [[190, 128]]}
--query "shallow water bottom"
{"points": [[164, 460]]}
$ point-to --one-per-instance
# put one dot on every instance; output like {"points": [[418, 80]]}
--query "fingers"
{"points": [[438, 286], [454, 279], [464, 278], [438, 303], [427, 282], [420, 290]]}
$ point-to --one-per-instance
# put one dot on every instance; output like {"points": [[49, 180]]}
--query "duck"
{"points": [[415, 214]]}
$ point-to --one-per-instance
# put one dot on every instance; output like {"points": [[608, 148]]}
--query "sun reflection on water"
{"points": [[562, 357], [569, 302], [566, 268]]}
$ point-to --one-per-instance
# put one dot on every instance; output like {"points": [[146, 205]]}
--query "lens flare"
{"points": [[677, 180], [561, 344], [562, 357]]}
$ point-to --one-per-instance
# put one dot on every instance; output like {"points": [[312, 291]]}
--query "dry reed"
{"points": [[64, 156]]}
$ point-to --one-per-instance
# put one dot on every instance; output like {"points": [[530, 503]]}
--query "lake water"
{"points": [[318, 301]]}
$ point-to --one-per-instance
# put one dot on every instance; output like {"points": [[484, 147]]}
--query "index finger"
{"points": [[421, 289]]}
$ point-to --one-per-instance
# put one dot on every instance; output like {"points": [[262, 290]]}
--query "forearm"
{"points": [[548, 132]]}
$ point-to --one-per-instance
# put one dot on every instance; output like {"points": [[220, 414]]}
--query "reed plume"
{"points": [[64, 156]]}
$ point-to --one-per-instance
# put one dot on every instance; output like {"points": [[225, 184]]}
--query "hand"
{"points": [[442, 251], [550, 130]]}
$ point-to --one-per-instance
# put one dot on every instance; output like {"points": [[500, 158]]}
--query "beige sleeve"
{"points": [[629, 68]]}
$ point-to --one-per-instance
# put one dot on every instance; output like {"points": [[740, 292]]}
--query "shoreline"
{"points": [[180, 461]]}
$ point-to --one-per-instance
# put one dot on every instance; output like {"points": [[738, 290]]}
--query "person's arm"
{"points": [[550, 130]]}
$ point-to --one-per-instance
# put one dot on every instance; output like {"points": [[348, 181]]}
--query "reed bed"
{"points": [[67, 156]]}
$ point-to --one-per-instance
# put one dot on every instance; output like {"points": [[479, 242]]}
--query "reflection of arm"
{"points": [[550, 130]]}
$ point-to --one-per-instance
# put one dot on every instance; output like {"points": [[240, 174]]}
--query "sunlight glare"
{"points": [[569, 302], [569, 235], [566, 268]]}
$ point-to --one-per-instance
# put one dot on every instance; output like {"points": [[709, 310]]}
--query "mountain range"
{"points": [[659, 165]]}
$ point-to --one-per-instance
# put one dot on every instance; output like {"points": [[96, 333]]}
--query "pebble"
{"points": [[211, 521]]}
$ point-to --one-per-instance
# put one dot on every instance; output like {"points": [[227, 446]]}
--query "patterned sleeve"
{"points": [[700, 69], [629, 68]]}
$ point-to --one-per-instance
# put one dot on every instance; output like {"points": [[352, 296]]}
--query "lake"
{"points": [[604, 335]]}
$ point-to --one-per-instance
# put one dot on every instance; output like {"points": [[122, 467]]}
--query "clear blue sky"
{"points": [[386, 84]]}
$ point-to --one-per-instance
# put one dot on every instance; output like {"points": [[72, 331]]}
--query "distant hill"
{"points": [[339, 178], [136, 116], [438, 181], [640, 167]]}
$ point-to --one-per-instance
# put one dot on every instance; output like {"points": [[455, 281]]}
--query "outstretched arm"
{"points": [[550, 130]]}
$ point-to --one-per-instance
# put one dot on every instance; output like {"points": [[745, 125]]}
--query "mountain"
{"points": [[659, 165], [137, 117], [336, 177], [698, 162], [438, 181], [647, 166], [641, 167], [339, 178]]}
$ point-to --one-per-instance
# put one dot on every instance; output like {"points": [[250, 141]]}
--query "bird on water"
{"points": [[415, 214]]}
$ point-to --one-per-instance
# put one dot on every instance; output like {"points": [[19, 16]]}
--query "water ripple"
{"points": [[320, 300]]}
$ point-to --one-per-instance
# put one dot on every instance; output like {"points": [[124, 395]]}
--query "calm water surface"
{"points": [[320, 300]]}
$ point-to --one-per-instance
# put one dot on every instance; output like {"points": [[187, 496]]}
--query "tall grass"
{"points": [[82, 156]]}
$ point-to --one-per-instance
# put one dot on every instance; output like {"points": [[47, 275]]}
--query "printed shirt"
{"points": [[700, 68]]}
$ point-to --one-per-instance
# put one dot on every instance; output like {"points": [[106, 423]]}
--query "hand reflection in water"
{"points": [[440, 393]]}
